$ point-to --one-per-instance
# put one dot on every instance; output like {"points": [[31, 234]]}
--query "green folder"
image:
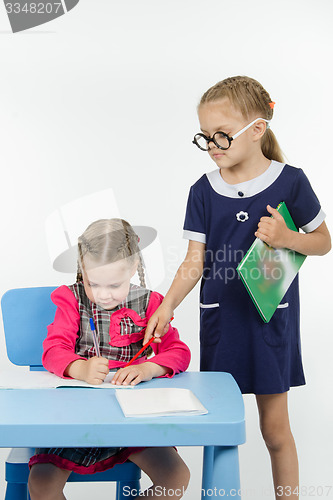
{"points": [[267, 272]]}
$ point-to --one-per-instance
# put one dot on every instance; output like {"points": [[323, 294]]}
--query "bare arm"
{"points": [[187, 276], [318, 242], [274, 232]]}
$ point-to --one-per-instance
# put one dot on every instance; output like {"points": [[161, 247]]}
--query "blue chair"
{"points": [[26, 312]]}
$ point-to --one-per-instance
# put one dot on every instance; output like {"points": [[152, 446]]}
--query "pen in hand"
{"points": [[94, 336], [141, 351]]}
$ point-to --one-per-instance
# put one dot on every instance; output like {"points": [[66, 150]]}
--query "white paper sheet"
{"points": [[12, 379], [160, 402]]}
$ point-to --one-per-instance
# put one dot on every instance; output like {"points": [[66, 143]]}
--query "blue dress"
{"points": [[264, 358]]}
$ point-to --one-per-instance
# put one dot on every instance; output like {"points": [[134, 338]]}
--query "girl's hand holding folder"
{"points": [[273, 230]]}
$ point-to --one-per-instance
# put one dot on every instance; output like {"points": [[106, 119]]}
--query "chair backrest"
{"points": [[26, 312]]}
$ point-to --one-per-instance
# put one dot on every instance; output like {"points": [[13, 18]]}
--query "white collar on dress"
{"points": [[247, 188]]}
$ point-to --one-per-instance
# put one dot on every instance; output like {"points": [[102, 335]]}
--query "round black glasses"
{"points": [[220, 139]]}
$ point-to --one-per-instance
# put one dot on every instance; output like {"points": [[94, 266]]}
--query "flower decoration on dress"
{"points": [[126, 326], [242, 216]]}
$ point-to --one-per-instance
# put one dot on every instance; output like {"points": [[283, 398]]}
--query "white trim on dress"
{"points": [[192, 235], [247, 188], [312, 225]]}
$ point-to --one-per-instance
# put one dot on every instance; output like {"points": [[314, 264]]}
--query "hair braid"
{"points": [[79, 277], [126, 246], [141, 272]]}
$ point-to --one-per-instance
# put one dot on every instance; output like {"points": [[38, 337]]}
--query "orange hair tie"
{"points": [[271, 104]]}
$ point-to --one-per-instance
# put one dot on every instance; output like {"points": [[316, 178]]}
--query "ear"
{"points": [[259, 128]]}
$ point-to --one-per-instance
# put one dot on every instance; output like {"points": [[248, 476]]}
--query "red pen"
{"points": [[141, 350]]}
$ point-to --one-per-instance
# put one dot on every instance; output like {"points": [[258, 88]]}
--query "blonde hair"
{"points": [[109, 240], [250, 98]]}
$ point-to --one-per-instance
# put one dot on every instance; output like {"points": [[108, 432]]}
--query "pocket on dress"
{"points": [[275, 332], [210, 326]]}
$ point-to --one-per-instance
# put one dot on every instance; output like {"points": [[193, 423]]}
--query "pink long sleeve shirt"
{"points": [[63, 338]]}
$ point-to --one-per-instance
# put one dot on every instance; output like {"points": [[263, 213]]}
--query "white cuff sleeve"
{"points": [[192, 235], [312, 225]]}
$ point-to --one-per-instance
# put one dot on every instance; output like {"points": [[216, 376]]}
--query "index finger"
{"points": [[116, 376], [150, 329], [160, 328]]}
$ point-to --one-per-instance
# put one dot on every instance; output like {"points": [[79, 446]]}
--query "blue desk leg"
{"points": [[220, 476]]}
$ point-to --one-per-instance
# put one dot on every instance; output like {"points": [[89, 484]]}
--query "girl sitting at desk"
{"points": [[103, 302]]}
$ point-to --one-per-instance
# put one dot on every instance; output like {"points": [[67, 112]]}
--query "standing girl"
{"points": [[109, 256], [226, 209]]}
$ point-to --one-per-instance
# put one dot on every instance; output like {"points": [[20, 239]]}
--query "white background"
{"points": [[106, 96]]}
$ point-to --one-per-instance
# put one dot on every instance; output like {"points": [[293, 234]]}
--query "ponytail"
{"points": [[270, 147]]}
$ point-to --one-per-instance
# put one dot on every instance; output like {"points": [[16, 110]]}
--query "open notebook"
{"points": [[267, 272], [159, 402], [17, 379]]}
